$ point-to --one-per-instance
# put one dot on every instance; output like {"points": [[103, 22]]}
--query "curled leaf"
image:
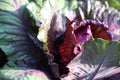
{"points": [[66, 49], [109, 17]]}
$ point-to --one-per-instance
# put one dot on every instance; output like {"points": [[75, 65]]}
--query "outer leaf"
{"points": [[15, 41], [99, 59], [24, 75]]}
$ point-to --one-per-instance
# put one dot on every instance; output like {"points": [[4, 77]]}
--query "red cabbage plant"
{"points": [[59, 40]]}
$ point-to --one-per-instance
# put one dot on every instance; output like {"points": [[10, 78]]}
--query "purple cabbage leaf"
{"points": [[99, 60], [37, 41], [100, 21], [108, 16]]}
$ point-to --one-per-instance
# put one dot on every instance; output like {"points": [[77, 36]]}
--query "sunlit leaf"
{"points": [[99, 59], [51, 28]]}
